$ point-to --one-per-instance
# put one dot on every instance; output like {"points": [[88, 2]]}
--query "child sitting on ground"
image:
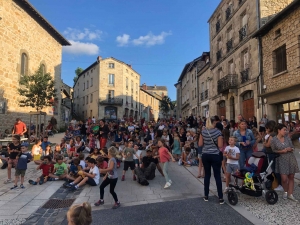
{"points": [[47, 171], [23, 158], [186, 158], [60, 168], [86, 169], [232, 154], [81, 162], [102, 165], [74, 168], [95, 153]]}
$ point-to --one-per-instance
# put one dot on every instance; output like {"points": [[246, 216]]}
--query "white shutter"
{"points": [[245, 20], [246, 58], [231, 68]]}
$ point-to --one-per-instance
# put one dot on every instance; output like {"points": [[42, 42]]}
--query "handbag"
{"points": [[220, 153]]}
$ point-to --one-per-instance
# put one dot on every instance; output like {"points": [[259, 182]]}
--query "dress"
{"points": [[286, 163], [176, 147]]}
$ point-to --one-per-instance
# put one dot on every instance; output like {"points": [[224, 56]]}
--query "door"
{"points": [[248, 105], [222, 109]]}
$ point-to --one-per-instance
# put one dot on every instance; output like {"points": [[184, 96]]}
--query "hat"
{"points": [[25, 144]]}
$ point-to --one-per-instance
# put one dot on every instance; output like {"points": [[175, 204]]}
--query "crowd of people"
{"points": [[93, 149]]}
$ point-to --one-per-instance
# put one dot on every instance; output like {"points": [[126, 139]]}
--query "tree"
{"points": [[37, 90], [77, 72], [166, 105]]}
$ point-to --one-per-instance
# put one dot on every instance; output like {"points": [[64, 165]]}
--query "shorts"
{"points": [[128, 164], [13, 162], [91, 181], [20, 172], [43, 177], [232, 168], [136, 161], [262, 129]]}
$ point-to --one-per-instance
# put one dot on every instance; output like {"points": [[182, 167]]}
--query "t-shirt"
{"points": [[138, 153], [147, 160], [13, 155], [210, 139], [130, 128], [23, 160], [45, 144], [47, 169], [95, 170], [82, 164], [104, 165], [232, 151], [60, 169], [263, 122], [113, 173], [19, 128], [129, 152], [164, 154]]}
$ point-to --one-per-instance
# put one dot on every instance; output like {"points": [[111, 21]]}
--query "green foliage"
{"points": [[166, 105], [77, 72], [37, 90]]}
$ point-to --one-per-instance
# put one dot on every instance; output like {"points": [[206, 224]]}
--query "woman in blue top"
{"points": [[244, 141]]}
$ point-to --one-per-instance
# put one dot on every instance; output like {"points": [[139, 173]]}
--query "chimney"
{"points": [[144, 86], [129, 65], [99, 58], [154, 86]]}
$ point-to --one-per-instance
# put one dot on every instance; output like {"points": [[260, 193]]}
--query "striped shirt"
{"points": [[209, 147]]}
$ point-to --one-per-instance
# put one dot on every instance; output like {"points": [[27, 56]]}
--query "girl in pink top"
{"points": [[164, 156]]}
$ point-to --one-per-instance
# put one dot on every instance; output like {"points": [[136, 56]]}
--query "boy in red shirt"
{"points": [[102, 164], [47, 168]]}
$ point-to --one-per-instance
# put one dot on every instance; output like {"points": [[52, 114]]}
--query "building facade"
{"points": [[280, 38], [108, 89], [149, 104], [27, 41]]}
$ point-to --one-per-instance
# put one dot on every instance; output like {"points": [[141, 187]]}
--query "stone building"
{"points": [[109, 88], [280, 38], [66, 103], [27, 41], [158, 90], [149, 104], [178, 99]]}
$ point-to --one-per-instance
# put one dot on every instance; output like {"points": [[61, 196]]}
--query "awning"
{"points": [[205, 103]]}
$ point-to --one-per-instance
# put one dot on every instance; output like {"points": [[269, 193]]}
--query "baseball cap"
{"points": [[25, 144]]}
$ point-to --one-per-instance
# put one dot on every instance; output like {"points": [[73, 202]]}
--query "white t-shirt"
{"points": [[232, 151], [95, 170], [161, 127], [82, 164], [138, 153], [131, 128]]}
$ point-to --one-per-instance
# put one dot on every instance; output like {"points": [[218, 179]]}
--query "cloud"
{"points": [[151, 39], [85, 34], [81, 48], [123, 40]]}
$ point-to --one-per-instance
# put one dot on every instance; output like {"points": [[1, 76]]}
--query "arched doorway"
{"points": [[222, 108], [232, 108], [248, 104]]}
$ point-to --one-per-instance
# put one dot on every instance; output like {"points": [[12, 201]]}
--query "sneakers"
{"points": [[32, 182], [221, 201], [279, 188], [14, 187], [67, 185], [284, 196], [7, 181], [123, 178], [74, 187], [226, 190], [100, 202], [116, 205], [291, 197], [22, 186], [205, 198], [168, 184], [134, 177], [41, 181]]}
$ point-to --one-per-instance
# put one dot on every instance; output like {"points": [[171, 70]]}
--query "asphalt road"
{"points": [[189, 211]]}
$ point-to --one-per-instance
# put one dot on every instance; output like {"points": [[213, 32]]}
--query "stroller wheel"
{"points": [[271, 197], [232, 197]]}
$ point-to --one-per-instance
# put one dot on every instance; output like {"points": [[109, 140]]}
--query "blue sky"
{"points": [[157, 37]]}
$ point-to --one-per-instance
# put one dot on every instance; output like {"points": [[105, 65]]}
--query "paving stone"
{"points": [[41, 211], [41, 221], [33, 219]]}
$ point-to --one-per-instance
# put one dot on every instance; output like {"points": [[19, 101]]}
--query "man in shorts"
{"points": [[129, 162]]}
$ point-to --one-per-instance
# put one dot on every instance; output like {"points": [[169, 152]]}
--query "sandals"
{"points": [[7, 181]]}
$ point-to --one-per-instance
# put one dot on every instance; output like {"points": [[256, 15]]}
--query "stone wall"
{"points": [[20, 33]]}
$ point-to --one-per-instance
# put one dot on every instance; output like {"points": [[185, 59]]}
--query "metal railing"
{"points": [[245, 75], [229, 45], [243, 32], [230, 81], [111, 101]]}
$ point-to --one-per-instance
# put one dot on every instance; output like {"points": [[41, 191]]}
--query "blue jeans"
{"points": [[165, 171], [214, 161], [244, 155]]}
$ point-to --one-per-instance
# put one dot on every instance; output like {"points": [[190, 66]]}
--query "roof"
{"points": [[84, 71], [158, 88], [152, 94], [129, 66], [42, 21], [216, 9], [276, 19]]}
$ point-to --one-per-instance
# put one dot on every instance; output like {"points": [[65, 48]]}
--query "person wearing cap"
{"points": [[23, 158], [19, 127]]}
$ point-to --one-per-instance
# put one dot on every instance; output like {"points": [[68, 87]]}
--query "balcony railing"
{"points": [[111, 101], [228, 82], [204, 95], [219, 55], [245, 75], [243, 32], [228, 12], [229, 45], [218, 26], [240, 2]]}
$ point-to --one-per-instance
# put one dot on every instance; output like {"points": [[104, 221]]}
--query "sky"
{"points": [[156, 37]]}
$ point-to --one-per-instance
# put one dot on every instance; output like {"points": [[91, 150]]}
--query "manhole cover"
{"points": [[58, 203]]}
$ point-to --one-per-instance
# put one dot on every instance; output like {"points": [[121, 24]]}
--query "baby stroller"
{"points": [[257, 187]]}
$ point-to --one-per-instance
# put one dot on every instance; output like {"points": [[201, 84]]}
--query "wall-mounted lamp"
{"points": [[265, 100]]}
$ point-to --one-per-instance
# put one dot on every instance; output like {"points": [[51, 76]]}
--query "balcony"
{"points": [[204, 95], [245, 75], [240, 2], [229, 45], [243, 32], [111, 101], [228, 82], [218, 26], [228, 12], [219, 55]]}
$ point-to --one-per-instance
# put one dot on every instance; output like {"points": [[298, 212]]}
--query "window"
{"points": [[83, 86], [91, 98], [279, 59], [111, 65], [111, 79], [245, 60], [111, 94], [87, 99], [43, 68], [24, 64], [220, 73], [91, 81], [83, 100], [87, 84], [126, 83], [132, 86], [277, 33], [192, 94], [230, 67]]}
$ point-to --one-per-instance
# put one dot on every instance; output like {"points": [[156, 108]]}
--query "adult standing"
{"points": [[53, 122], [19, 127], [245, 142], [103, 131], [286, 164], [211, 140], [262, 125]]}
